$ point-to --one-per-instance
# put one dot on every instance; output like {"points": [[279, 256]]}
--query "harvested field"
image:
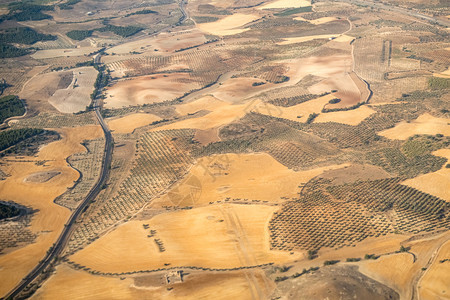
{"points": [[76, 96], [327, 67], [240, 177], [286, 4], [436, 183], [434, 284], [295, 40], [335, 282], [149, 89], [41, 87], [228, 25], [80, 285], [235, 90], [398, 278], [222, 114], [204, 137], [223, 236], [350, 90], [445, 74], [51, 53], [424, 124], [209, 103], [402, 278], [129, 123], [298, 113], [164, 42], [323, 20], [48, 221], [349, 117]]}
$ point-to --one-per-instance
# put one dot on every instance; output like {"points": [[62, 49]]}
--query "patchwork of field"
{"points": [[286, 4], [236, 285], [76, 96], [52, 53], [218, 237], [435, 183], [424, 124], [49, 219], [247, 178], [262, 149], [434, 283], [130, 122], [164, 42], [149, 89]]}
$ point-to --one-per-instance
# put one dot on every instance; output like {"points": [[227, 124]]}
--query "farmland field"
{"points": [[205, 149]]}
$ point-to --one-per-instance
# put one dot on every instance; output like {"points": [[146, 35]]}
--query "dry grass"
{"points": [[79, 285], [148, 89], [286, 4], [406, 270], [50, 218], [434, 284], [424, 124], [204, 103], [445, 74], [295, 40], [222, 114], [76, 96], [163, 42], [129, 123], [228, 25], [298, 113], [240, 176], [51, 53], [399, 277], [71, 284], [41, 87], [221, 236], [436, 183], [235, 90], [327, 67]]}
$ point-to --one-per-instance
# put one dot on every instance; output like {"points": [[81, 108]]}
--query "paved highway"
{"points": [[57, 248]]}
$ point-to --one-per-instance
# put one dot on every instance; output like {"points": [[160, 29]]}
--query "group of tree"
{"points": [[142, 12], [23, 35], [3, 86], [11, 137], [101, 81], [69, 4], [10, 106], [124, 31], [7, 51], [79, 35], [438, 83], [8, 211], [20, 35], [24, 11]]}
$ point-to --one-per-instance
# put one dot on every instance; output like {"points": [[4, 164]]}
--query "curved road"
{"points": [[59, 245], [63, 238]]}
